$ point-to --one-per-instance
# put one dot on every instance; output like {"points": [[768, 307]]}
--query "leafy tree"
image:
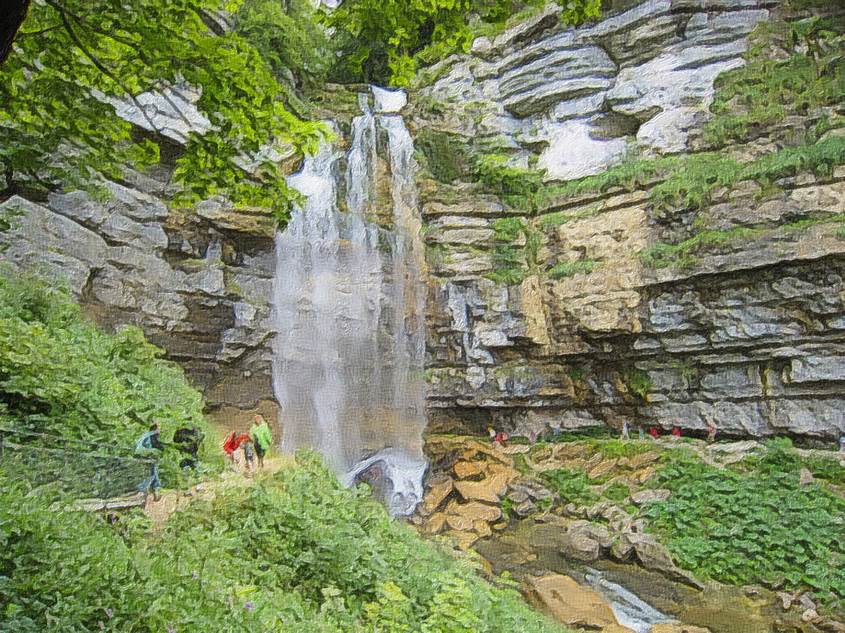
{"points": [[73, 57], [289, 37], [382, 40]]}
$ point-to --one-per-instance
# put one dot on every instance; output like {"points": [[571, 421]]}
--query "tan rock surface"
{"points": [[437, 492], [572, 604]]}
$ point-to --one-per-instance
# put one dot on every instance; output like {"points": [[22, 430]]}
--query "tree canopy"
{"points": [[73, 58], [385, 40]]}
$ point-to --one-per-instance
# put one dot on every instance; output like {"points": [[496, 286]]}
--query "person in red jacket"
{"points": [[654, 432], [232, 442]]}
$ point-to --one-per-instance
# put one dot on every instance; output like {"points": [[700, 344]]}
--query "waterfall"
{"points": [[349, 305]]}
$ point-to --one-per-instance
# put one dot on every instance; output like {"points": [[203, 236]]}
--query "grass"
{"points": [[568, 269]]}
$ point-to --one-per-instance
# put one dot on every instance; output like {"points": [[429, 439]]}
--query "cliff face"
{"points": [[197, 282], [730, 311]]}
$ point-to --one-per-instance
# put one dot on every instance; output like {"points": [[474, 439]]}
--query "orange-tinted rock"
{"points": [[572, 604]]}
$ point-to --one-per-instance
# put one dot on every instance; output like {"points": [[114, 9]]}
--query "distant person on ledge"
{"points": [[262, 437]]}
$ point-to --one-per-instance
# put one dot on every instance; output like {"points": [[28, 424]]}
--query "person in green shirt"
{"points": [[261, 437]]}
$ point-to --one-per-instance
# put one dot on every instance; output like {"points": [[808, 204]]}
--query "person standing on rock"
{"points": [[262, 437], [625, 431], [711, 432], [149, 446]]}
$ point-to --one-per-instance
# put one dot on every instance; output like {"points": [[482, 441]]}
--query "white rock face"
{"points": [[171, 112], [573, 153], [581, 97]]}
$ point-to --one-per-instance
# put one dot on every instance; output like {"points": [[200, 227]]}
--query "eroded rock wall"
{"points": [[746, 334], [196, 281]]}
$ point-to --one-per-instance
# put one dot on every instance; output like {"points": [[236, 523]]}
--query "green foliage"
{"points": [[445, 155], [62, 376], [387, 40], [508, 261], [617, 492], [57, 126], [295, 552], [755, 527], [516, 185], [571, 486], [639, 382], [809, 73], [288, 35], [619, 448], [682, 255], [826, 468], [568, 269]]}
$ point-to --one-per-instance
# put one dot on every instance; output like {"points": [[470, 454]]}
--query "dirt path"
{"points": [[173, 500]]}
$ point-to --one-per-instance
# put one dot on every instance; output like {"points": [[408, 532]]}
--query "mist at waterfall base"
{"points": [[348, 304]]}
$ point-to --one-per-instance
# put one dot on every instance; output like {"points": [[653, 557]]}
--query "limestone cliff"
{"points": [[730, 311]]}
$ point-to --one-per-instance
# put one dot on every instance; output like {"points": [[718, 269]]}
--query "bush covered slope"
{"points": [[60, 375], [295, 552]]}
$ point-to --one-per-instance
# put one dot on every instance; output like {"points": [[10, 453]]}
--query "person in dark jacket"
{"points": [[149, 446], [188, 441]]}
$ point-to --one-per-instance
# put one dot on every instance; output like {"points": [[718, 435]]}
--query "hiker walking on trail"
{"points": [[262, 437], [249, 455], [626, 434], [149, 446]]}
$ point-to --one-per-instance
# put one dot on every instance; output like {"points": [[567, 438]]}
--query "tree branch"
{"points": [[98, 64]]}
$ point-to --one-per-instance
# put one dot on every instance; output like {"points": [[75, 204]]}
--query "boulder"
{"points": [[467, 470], [579, 546], [434, 524], [676, 627], [650, 496], [474, 511], [464, 540], [594, 531], [572, 604], [488, 489], [438, 489], [652, 555], [603, 468]]}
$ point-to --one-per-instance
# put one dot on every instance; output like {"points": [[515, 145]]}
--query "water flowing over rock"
{"points": [[349, 306]]}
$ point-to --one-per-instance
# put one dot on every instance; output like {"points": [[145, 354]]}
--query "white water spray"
{"points": [[349, 307]]}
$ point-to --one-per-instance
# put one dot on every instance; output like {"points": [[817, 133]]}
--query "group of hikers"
{"points": [[254, 444], [187, 440]]}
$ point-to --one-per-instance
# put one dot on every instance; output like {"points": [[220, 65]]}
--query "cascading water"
{"points": [[349, 307], [631, 611]]}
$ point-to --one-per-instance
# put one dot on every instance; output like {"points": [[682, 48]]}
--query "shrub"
{"points": [[294, 552], [755, 527], [62, 376], [571, 486]]}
